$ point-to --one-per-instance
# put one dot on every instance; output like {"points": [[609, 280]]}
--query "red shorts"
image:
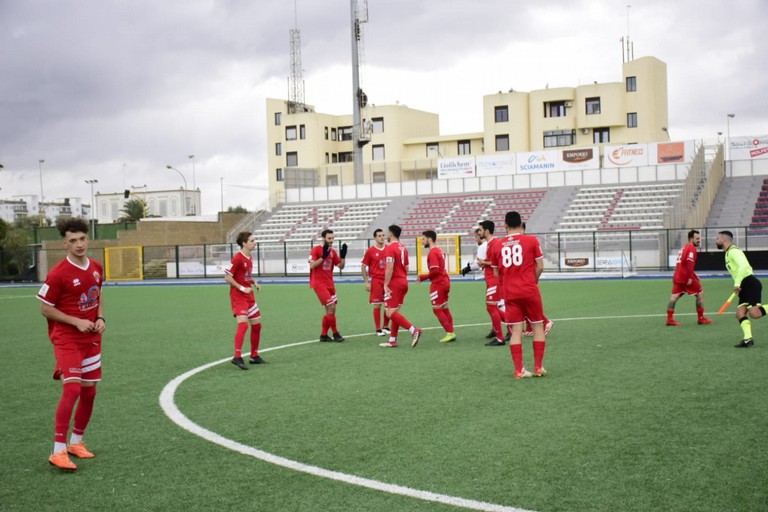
{"points": [[691, 289], [399, 290], [517, 310], [438, 295], [326, 295], [377, 292], [244, 304], [492, 291], [77, 361]]}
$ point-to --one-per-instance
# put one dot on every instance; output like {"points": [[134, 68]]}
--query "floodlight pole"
{"points": [[93, 209]]}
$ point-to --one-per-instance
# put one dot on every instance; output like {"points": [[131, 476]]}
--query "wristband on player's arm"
{"points": [[244, 289], [101, 318]]}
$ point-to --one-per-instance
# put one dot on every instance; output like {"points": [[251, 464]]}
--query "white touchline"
{"points": [[168, 404]]}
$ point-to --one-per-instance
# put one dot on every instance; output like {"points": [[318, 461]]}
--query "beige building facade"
{"points": [[311, 149]]}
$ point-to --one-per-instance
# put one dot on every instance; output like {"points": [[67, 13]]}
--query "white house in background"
{"points": [[159, 203], [20, 207]]}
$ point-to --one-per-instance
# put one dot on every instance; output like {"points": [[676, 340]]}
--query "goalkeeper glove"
{"points": [[466, 270], [326, 250], [343, 251]]}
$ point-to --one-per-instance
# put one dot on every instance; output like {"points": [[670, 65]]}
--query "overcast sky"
{"points": [[115, 90]]}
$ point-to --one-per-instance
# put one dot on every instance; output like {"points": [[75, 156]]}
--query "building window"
{"points": [[464, 147], [379, 177], [502, 143], [334, 158], [501, 114], [600, 135], [377, 124], [278, 174], [557, 138], [378, 152], [278, 118], [292, 159], [631, 83], [278, 148], [332, 180], [302, 132], [431, 174], [346, 156], [593, 106], [632, 120], [326, 133], [433, 150], [333, 133], [290, 133], [554, 109], [345, 133], [327, 158]]}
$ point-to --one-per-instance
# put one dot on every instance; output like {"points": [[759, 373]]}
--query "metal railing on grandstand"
{"points": [[617, 252]]}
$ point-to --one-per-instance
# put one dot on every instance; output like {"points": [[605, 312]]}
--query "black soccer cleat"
{"points": [[338, 337], [490, 335], [257, 360], [745, 343], [325, 338], [238, 361], [508, 336], [495, 343]]}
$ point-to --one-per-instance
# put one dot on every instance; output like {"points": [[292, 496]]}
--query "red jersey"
{"points": [[241, 270], [375, 261], [491, 251], [437, 267], [686, 262], [398, 255], [323, 274], [75, 291], [516, 260]]}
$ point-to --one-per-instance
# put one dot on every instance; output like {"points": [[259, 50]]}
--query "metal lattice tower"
{"points": [[296, 80]]}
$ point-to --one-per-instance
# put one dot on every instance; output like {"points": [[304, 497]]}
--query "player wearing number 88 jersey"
{"points": [[519, 263]]}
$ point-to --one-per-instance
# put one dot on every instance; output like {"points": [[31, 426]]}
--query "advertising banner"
{"points": [[458, 167], [583, 158], [662, 153], [630, 155], [749, 148], [495, 165], [538, 161]]}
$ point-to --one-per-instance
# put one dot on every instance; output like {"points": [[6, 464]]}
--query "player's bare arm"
{"points": [[539, 268], [234, 284], [51, 313], [388, 274]]}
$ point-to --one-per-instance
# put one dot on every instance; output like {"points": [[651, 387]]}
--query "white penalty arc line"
{"points": [[168, 404]]}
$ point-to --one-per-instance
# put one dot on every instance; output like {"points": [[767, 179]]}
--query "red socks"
{"points": [[84, 409], [400, 320], [495, 314], [329, 322], [242, 327], [70, 392], [670, 314], [517, 356], [445, 318], [255, 339], [538, 354], [700, 312], [377, 318]]}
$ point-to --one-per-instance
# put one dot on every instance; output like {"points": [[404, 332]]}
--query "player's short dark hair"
{"points": [[325, 232], [72, 225], [513, 219], [726, 233], [489, 225], [395, 230], [523, 226], [430, 234], [377, 231], [691, 233], [243, 237]]}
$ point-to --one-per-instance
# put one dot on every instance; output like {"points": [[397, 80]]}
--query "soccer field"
{"points": [[634, 415]]}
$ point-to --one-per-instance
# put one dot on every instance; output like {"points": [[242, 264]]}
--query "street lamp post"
{"points": [[222, 193], [194, 185], [40, 207], [93, 209], [728, 136], [186, 210]]}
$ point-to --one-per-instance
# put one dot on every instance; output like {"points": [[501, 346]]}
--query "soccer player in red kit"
{"points": [[71, 301], [521, 263], [244, 307], [485, 255], [396, 287], [440, 286], [322, 259], [373, 265], [685, 280]]}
